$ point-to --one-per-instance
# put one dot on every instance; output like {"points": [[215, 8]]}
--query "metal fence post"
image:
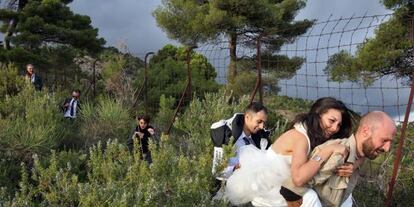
{"points": [[187, 89], [259, 85], [398, 153], [146, 81]]}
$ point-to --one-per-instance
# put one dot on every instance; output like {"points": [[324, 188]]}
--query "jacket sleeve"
{"points": [[220, 133], [329, 166], [130, 141], [62, 106], [38, 82]]}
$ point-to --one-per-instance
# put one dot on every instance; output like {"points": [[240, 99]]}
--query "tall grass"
{"points": [[106, 120]]}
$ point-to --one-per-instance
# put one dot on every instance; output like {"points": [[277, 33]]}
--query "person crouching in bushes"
{"points": [[142, 132]]}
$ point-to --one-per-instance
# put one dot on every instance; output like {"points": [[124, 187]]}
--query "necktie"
{"points": [[246, 140], [72, 108]]}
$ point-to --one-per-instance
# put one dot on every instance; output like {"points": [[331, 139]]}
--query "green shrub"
{"points": [[109, 175], [167, 75], [10, 80], [31, 122], [165, 113], [108, 119], [243, 84], [179, 176]]}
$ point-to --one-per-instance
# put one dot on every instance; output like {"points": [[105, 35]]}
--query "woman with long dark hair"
{"points": [[259, 181]]}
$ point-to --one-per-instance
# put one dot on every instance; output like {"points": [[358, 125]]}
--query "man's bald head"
{"points": [[374, 135], [376, 119]]}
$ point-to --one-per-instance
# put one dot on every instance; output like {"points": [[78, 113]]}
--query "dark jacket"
{"points": [[67, 101], [38, 83], [143, 142], [223, 130]]}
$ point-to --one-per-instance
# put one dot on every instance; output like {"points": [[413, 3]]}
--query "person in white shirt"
{"points": [[246, 128], [71, 105]]}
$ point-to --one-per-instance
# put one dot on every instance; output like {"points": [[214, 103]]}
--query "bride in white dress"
{"points": [[262, 172]]}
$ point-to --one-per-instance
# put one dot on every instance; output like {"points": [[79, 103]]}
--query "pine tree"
{"points": [[388, 52], [37, 28], [240, 21], [167, 74]]}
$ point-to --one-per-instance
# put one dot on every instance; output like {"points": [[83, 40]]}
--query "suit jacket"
{"points": [[38, 83], [223, 130], [67, 101], [332, 189]]}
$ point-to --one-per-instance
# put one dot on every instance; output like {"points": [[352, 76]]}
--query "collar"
{"points": [[353, 155], [244, 135]]}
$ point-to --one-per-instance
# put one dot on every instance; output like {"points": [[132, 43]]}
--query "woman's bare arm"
{"points": [[302, 168]]}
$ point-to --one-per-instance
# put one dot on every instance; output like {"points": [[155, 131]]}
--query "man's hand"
{"points": [[66, 105], [345, 170], [339, 149], [297, 203]]}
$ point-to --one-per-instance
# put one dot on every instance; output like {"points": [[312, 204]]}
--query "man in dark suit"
{"points": [[245, 128], [71, 106], [33, 77]]}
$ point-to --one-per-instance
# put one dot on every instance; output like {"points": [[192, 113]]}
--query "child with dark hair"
{"points": [[142, 132]]}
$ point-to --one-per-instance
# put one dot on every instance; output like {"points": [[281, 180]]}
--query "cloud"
{"points": [[322, 9], [131, 22], [126, 21]]}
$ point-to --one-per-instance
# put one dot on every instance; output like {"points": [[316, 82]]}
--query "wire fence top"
{"points": [[324, 39]]}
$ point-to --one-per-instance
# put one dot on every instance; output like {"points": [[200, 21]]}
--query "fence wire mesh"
{"points": [[311, 81]]}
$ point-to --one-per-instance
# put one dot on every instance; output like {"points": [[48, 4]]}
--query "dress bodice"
{"points": [[283, 161], [260, 176], [300, 127]]}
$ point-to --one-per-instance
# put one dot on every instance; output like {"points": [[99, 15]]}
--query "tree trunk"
{"points": [[9, 33], [13, 23], [232, 73]]}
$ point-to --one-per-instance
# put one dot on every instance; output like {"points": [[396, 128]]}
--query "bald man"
{"points": [[373, 137]]}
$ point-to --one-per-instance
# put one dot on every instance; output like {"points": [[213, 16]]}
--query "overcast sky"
{"points": [[131, 21]]}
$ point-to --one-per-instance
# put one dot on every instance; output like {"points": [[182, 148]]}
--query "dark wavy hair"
{"points": [[312, 120], [146, 118]]}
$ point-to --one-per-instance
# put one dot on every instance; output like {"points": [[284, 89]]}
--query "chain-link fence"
{"points": [[309, 79]]}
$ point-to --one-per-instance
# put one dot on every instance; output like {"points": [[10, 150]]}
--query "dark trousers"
{"points": [[147, 157]]}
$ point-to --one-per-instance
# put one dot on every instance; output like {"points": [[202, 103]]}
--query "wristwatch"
{"points": [[317, 158]]}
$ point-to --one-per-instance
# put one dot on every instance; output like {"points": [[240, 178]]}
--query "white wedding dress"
{"points": [[260, 176]]}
